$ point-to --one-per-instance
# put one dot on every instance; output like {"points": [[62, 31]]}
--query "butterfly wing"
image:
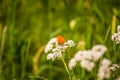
{"points": [[60, 39]]}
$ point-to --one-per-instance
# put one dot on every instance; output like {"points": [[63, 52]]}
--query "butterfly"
{"points": [[60, 39]]}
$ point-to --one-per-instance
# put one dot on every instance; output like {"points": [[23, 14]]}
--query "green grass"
{"points": [[26, 26]]}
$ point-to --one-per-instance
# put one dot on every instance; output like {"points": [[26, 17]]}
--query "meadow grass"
{"points": [[26, 26]]}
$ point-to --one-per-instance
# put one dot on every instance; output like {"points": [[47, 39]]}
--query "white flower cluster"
{"points": [[114, 67], [87, 57], [55, 50], [104, 70], [116, 36]]}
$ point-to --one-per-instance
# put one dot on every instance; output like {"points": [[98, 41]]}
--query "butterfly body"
{"points": [[60, 39]]}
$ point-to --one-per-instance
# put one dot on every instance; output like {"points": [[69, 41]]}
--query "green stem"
{"points": [[38, 77], [2, 47], [24, 59], [106, 36], [114, 46], [70, 78]]}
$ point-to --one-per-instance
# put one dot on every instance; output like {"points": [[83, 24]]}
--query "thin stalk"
{"points": [[70, 78], [108, 31], [83, 73], [25, 58], [114, 46], [2, 47], [38, 77], [115, 51]]}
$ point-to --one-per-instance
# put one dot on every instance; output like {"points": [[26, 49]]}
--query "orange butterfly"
{"points": [[60, 39]]}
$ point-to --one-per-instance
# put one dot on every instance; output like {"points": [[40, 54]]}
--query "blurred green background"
{"points": [[27, 25]]}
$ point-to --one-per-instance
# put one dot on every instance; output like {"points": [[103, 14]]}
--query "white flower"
{"points": [[101, 75], [82, 55], [48, 48], [99, 48], [104, 70], [79, 55], [65, 47], [53, 40], [70, 43], [98, 51], [57, 53], [87, 64], [105, 62], [87, 55], [60, 47], [114, 67], [116, 36], [55, 50], [51, 56], [72, 63], [96, 56], [104, 73], [118, 28]]}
